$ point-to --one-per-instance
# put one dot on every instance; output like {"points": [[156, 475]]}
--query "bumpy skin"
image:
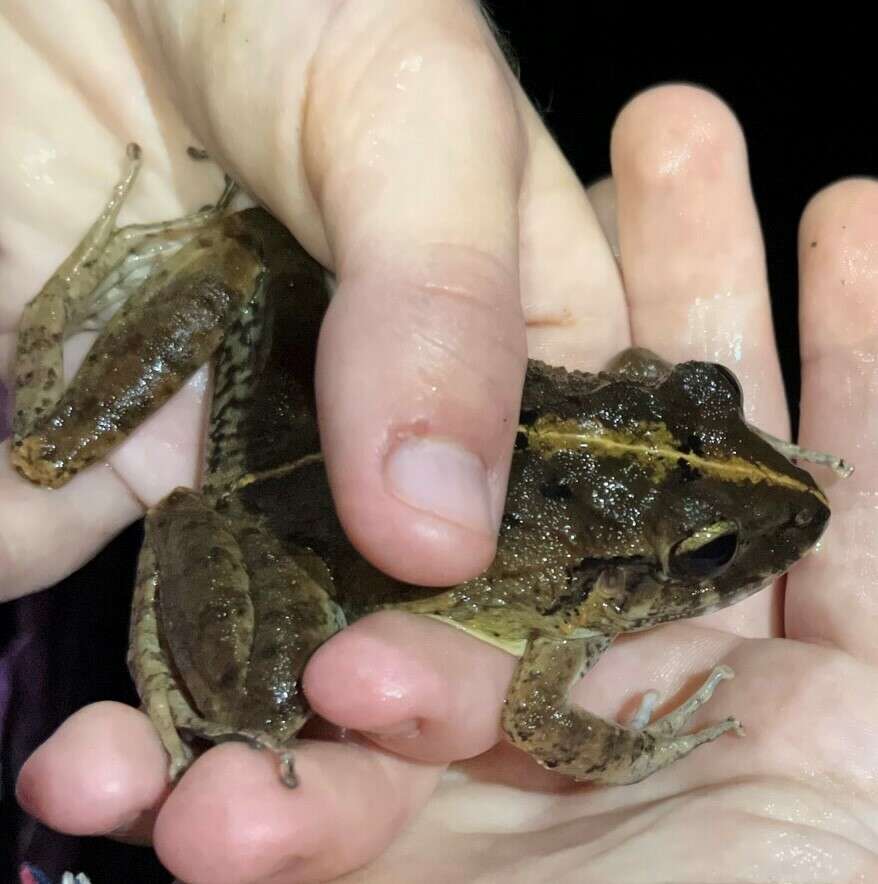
{"points": [[637, 496]]}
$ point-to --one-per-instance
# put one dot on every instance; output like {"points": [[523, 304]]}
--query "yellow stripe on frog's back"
{"points": [[656, 448]]}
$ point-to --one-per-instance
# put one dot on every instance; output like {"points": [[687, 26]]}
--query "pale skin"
{"points": [[440, 330]]}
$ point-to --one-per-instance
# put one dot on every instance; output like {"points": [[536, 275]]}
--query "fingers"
{"points": [[230, 819], [416, 686], [74, 523], [103, 771], [69, 138], [831, 595], [693, 263], [691, 247], [571, 287], [422, 353]]}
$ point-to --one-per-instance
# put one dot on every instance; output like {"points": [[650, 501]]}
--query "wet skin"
{"points": [[637, 496]]}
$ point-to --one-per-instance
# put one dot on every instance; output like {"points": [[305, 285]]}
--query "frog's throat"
{"points": [[656, 448]]}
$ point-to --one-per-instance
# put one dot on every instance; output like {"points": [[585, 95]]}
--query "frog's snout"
{"points": [[810, 521]]}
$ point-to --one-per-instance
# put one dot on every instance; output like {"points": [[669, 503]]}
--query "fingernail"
{"points": [[439, 477], [397, 730]]}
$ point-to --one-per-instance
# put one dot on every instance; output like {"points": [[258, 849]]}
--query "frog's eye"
{"points": [[733, 382], [706, 552]]}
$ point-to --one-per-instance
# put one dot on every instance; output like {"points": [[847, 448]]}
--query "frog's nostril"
{"points": [[804, 517]]}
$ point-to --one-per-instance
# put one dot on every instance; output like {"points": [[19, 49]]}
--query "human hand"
{"points": [[228, 817], [795, 799]]}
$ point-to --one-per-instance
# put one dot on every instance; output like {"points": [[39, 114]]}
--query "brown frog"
{"points": [[637, 496]]}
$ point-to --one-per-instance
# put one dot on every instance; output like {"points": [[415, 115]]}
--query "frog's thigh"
{"points": [[164, 703], [181, 530], [539, 719]]}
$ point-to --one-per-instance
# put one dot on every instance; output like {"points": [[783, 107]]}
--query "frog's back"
{"points": [[264, 458], [263, 412]]}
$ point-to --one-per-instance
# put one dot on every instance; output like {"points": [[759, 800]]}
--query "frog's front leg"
{"points": [[539, 718]]}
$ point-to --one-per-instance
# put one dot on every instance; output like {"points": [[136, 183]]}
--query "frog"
{"points": [[638, 495]]}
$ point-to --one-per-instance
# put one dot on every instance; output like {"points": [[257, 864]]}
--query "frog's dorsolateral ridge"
{"points": [[637, 496]]}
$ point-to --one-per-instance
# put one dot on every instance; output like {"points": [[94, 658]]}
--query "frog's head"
{"points": [[682, 506], [716, 542]]}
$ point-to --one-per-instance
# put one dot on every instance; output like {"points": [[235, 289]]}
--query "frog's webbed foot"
{"points": [[539, 719], [170, 318], [193, 724]]}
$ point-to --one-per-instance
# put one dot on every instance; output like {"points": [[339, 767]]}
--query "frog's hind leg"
{"points": [[99, 271], [170, 323], [46, 319], [217, 651], [164, 702], [539, 718]]}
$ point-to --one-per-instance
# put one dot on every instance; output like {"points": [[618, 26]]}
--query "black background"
{"points": [[806, 107]]}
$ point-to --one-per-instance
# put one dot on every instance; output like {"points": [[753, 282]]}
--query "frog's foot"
{"points": [[671, 724], [539, 719], [791, 451], [217, 732]]}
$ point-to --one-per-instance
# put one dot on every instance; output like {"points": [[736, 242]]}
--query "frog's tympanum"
{"points": [[637, 496]]}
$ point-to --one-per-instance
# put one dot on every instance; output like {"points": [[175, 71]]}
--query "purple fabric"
{"points": [[26, 717], [32, 875], [25, 709], [8, 662], [7, 667]]}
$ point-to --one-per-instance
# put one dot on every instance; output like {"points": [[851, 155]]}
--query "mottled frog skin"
{"points": [[637, 496]]}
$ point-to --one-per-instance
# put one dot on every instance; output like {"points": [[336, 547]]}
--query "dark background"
{"points": [[807, 110]]}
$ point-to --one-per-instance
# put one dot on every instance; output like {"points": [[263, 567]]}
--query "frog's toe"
{"points": [[642, 716], [181, 758], [288, 770], [671, 724]]}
